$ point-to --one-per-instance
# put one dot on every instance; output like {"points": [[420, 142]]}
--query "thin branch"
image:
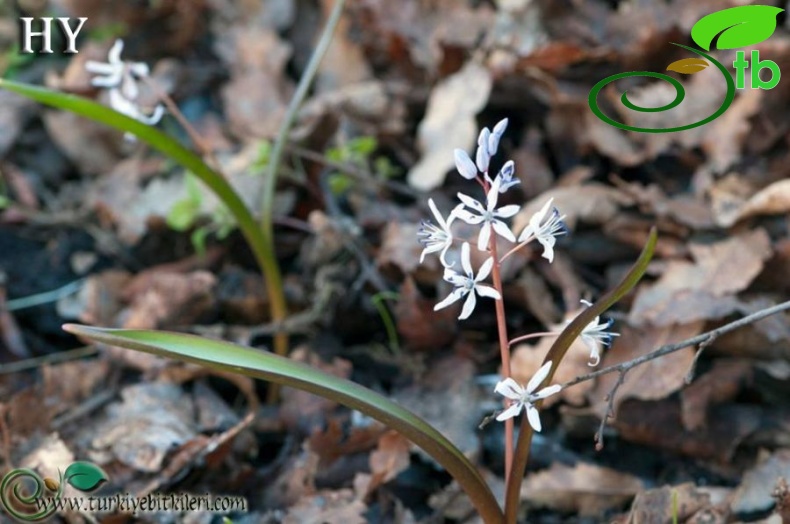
{"points": [[703, 341], [704, 338]]}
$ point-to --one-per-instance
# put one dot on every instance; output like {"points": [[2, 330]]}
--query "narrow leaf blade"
{"points": [[268, 366]]}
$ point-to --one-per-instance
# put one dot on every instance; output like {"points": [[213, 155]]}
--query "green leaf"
{"points": [[738, 26], [183, 214], [363, 146], [260, 364], [85, 476]]}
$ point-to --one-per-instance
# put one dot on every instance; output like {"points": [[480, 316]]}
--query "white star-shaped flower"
{"points": [[121, 78], [489, 216], [467, 284], [525, 398], [545, 227], [437, 238], [594, 335]]}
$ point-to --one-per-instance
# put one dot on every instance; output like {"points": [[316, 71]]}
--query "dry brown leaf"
{"points": [[169, 299], [720, 384], [656, 506], [420, 327], [142, 428], [390, 458], [754, 493], [773, 200], [340, 506], [446, 397], [449, 123], [586, 489], [655, 379], [703, 289]]}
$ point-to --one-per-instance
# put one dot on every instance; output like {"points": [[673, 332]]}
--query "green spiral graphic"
{"points": [[679, 96], [12, 494]]}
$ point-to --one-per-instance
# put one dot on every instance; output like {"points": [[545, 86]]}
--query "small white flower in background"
{"points": [[525, 398], [465, 165], [595, 336], [437, 238], [467, 284], [505, 176], [488, 216], [544, 229], [121, 78]]}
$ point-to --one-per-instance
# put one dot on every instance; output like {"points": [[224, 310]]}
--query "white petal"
{"points": [[471, 202], [595, 359], [111, 80], [437, 215], [539, 377], [466, 261], [468, 217], [510, 412], [547, 391], [493, 194], [464, 164], [509, 388], [484, 270], [469, 306], [507, 211], [496, 134], [483, 238], [534, 417], [99, 68], [487, 291], [455, 296], [503, 231], [548, 247], [528, 232], [114, 56], [483, 158], [538, 217], [443, 255], [155, 117]]}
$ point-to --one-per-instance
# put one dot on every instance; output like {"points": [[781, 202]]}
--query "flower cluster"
{"points": [[544, 226], [121, 79]]}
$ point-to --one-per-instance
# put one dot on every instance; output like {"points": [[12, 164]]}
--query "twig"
{"points": [[703, 340], [677, 346], [194, 136], [609, 410]]}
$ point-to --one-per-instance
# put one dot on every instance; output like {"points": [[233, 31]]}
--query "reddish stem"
{"points": [[504, 345]]}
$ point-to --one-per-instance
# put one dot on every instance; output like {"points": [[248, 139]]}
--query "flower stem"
{"points": [[518, 246], [533, 335], [504, 345]]}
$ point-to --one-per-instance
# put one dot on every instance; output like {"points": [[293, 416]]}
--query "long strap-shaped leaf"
{"points": [[267, 366]]}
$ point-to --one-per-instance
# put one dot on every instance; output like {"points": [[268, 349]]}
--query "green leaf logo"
{"points": [[738, 26], [85, 476]]}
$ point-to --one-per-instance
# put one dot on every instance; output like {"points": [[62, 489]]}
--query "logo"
{"points": [[730, 29], [26, 34], [29, 498]]}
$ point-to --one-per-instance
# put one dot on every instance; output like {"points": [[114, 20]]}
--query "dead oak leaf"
{"points": [[705, 288], [586, 489], [655, 379], [449, 123]]}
